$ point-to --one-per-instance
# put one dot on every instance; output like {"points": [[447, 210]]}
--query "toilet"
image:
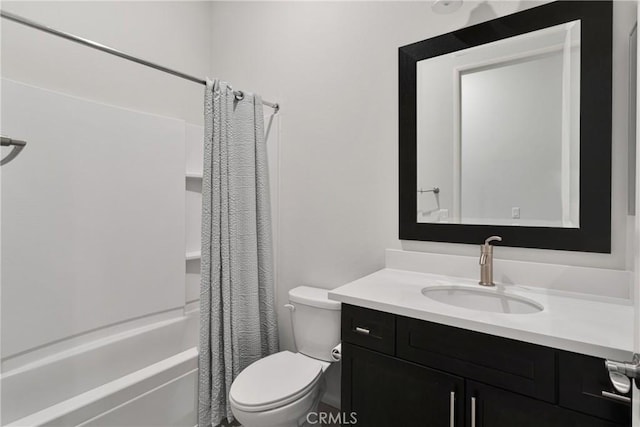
{"points": [[281, 389]]}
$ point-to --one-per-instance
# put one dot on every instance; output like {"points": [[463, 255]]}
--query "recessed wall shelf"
{"points": [[193, 255]]}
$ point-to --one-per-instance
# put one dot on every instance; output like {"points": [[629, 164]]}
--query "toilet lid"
{"points": [[274, 381]]}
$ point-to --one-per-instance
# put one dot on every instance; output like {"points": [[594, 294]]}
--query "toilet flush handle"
{"points": [[291, 307]]}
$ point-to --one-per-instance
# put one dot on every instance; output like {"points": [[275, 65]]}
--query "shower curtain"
{"points": [[237, 316]]}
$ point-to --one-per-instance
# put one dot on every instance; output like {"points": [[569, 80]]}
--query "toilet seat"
{"points": [[275, 381]]}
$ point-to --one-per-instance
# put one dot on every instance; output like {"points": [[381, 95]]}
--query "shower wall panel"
{"points": [[93, 219]]}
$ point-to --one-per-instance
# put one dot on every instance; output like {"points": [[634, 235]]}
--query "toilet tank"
{"points": [[316, 321]]}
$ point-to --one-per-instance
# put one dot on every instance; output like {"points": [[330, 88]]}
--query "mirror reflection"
{"points": [[498, 132]]}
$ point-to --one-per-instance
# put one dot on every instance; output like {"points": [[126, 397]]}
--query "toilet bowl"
{"points": [[280, 390]]}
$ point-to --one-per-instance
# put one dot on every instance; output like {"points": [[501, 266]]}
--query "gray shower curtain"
{"points": [[237, 317]]}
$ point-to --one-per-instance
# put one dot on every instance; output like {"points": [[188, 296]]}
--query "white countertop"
{"points": [[601, 327]]}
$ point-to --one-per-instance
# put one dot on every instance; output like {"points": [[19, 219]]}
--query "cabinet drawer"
{"points": [[369, 328], [512, 365], [582, 381]]}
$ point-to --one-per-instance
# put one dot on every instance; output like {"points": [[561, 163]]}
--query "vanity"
{"points": [[536, 358]]}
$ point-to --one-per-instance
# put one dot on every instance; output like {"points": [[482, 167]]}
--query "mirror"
{"points": [[505, 128], [515, 111]]}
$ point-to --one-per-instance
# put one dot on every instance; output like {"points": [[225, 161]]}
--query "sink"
{"points": [[481, 299]]}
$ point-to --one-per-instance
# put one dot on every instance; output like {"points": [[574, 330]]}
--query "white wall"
{"points": [[175, 34], [171, 33], [333, 67]]}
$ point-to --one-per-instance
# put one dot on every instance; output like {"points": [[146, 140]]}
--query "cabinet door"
{"points": [[384, 391], [492, 407]]}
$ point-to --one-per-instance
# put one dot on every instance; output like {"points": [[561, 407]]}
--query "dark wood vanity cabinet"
{"points": [[398, 371]]}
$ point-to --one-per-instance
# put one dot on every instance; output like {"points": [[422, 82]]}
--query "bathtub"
{"points": [[140, 376]]}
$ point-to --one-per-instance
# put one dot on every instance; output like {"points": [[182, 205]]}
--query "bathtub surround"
{"points": [[112, 323], [237, 315], [151, 366]]}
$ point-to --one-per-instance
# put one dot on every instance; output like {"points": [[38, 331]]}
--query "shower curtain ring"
{"points": [[239, 95]]}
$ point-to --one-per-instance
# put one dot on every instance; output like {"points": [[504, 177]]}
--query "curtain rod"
{"points": [[90, 43]]}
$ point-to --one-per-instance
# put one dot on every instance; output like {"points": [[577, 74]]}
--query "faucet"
{"points": [[486, 261]]}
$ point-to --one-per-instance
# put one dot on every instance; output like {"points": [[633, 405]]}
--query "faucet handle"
{"points": [[493, 239]]}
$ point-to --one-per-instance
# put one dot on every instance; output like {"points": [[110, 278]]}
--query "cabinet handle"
{"points": [[452, 409], [473, 412], [362, 331], [616, 397]]}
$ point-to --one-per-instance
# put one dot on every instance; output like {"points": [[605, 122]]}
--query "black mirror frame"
{"points": [[594, 233]]}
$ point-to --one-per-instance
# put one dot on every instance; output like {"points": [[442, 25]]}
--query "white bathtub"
{"points": [[145, 376]]}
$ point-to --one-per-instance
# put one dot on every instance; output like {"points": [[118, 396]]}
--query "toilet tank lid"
{"points": [[314, 297]]}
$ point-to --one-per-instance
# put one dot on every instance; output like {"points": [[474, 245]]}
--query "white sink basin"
{"points": [[481, 299]]}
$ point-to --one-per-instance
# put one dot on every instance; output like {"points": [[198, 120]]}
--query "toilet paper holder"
{"points": [[336, 353]]}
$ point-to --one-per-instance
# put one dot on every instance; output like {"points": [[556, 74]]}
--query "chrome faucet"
{"points": [[486, 261]]}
